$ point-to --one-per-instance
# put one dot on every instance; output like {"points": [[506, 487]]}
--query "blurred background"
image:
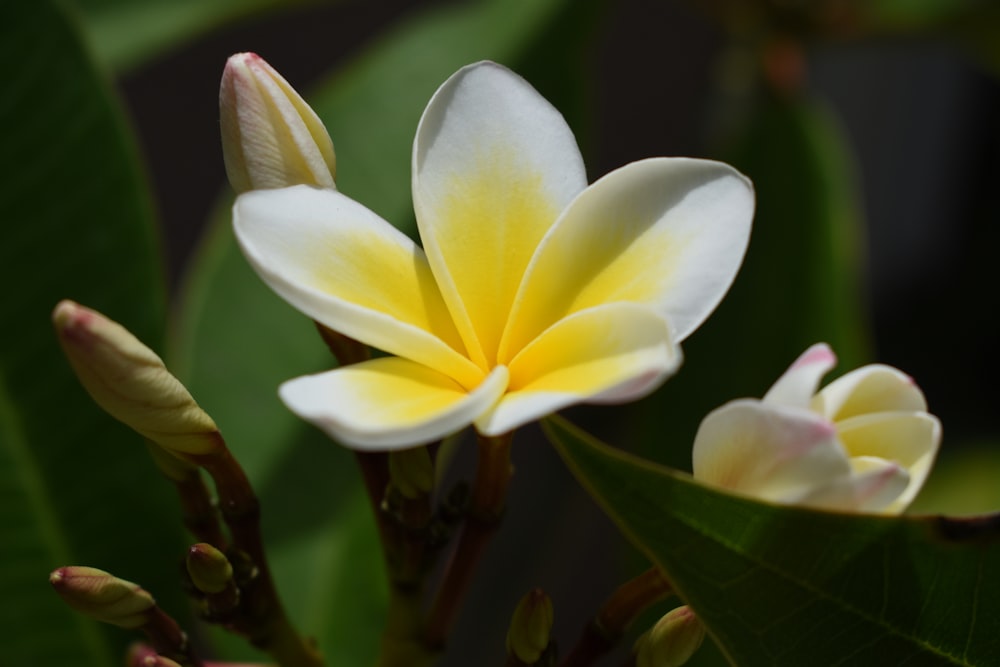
{"points": [[869, 128]]}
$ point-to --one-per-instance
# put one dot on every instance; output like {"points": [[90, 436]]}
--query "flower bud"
{"points": [[270, 137], [131, 383], [672, 641], [411, 472], [530, 627], [209, 568], [102, 596]]}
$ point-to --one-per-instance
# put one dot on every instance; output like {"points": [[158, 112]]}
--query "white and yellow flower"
{"points": [[532, 291], [864, 443]]}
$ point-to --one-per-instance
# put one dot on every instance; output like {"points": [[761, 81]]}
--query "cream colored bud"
{"points": [[530, 627], [411, 472], [672, 641], [131, 383], [103, 596], [270, 137]]}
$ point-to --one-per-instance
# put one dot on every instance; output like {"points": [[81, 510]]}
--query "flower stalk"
{"points": [[198, 512], [262, 617], [486, 506], [616, 615]]}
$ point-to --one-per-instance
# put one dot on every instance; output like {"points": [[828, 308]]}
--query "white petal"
{"points": [[909, 439], [348, 269], [797, 386], [873, 388], [768, 451], [389, 403], [494, 164], [609, 354], [668, 233], [873, 485]]}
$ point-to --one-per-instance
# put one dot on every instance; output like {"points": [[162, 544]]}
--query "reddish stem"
{"points": [[489, 492], [615, 616]]}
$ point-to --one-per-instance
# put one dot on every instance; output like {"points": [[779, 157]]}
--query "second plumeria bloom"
{"points": [[864, 443], [533, 291]]}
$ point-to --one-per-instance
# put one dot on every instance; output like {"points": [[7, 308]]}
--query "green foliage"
{"points": [[75, 486], [127, 33], [786, 586]]}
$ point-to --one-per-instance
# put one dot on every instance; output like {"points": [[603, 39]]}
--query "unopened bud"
{"points": [[209, 568], [270, 137], [131, 383], [103, 596], [672, 641], [411, 472], [530, 627]]}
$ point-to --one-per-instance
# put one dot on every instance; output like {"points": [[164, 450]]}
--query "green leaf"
{"points": [[799, 283], [236, 341], [786, 586], [76, 487], [127, 33]]}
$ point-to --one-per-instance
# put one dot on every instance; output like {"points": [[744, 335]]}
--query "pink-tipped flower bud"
{"points": [[530, 627], [132, 384], [672, 641], [103, 596], [270, 137]]}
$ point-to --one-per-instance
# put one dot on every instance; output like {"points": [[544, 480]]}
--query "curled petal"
{"points": [[610, 354], [389, 403], [668, 233], [768, 451], [353, 272], [910, 439], [874, 485], [796, 387], [873, 388], [493, 166]]}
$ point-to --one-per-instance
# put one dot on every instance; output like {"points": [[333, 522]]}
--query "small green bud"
{"points": [[411, 472], [209, 568], [131, 382], [103, 596], [672, 641], [530, 627]]}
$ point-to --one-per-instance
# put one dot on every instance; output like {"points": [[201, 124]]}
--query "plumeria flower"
{"points": [[532, 291], [864, 443]]}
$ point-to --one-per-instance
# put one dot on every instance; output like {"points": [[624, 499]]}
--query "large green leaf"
{"points": [[127, 33], [237, 341], [76, 487], [786, 586], [799, 283]]}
